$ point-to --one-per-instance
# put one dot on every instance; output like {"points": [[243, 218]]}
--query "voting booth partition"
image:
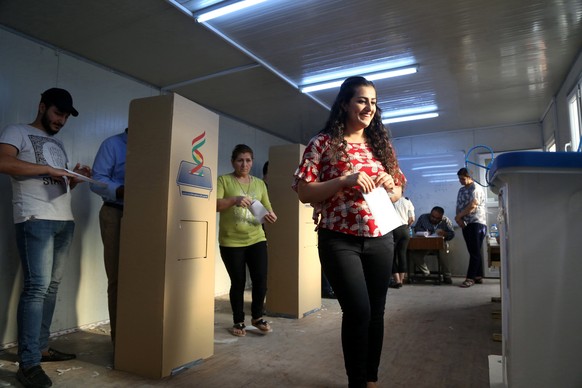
{"points": [[165, 318], [540, 201], [294, 277]]}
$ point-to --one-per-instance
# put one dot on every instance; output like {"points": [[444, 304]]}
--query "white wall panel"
{"points": [[511, 138], [102, 98], [516, 137], [26, 70]]}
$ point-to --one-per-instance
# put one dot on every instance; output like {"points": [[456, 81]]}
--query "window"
{"points": [[551, 145], [485, 160], [574, 105]]}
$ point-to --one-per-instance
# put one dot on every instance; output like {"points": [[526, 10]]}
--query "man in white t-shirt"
{"points": [[41, 198]]}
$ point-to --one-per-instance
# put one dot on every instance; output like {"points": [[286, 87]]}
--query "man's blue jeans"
{"points": [[44, 247]]}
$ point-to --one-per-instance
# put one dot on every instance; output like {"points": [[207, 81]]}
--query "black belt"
{"points": [[115, 205]]}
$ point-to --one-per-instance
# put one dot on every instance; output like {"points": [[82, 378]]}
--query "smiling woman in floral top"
{"points": [[353, 155]]}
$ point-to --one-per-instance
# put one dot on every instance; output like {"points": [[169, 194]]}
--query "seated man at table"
{"points": [[435, 223]]}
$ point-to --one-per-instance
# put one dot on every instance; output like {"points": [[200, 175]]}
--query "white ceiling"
{"points": [[482, 63]]}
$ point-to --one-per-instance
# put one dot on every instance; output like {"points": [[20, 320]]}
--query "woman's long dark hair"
{"points": [[377, 135]]}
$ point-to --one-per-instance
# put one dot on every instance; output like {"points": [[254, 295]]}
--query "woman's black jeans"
{"points": [[236, 259], [358, 269], [401, 240]]}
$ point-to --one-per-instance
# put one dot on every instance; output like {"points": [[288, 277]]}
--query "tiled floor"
{"points": [[435, 336]]}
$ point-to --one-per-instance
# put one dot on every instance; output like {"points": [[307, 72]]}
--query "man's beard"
{"points": [[46, 124]]}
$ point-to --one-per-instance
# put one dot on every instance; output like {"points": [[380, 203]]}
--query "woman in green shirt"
{"points": [[241, 237]]}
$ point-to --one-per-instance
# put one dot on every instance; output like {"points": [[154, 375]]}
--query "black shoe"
{"points": [[447, 280], [328, 295], [55, 355], [33, 377]]}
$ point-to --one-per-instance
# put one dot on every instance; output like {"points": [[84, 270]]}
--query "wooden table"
{"points": [[431, 244], [418, 243]]}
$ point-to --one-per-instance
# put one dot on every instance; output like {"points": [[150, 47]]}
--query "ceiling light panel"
{"points": [[286, 36], [410, 118], [385, 74], [303, 46], [194, 5], [381, 66], [228, 8], [457, 51]]}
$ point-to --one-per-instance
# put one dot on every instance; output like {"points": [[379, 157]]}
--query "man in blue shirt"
{"points": [[109, 168], [435, 223]]}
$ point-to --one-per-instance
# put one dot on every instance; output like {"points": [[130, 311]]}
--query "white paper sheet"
{"points": [[383, 210], [84, 178], [426, 233], [259, 211]]}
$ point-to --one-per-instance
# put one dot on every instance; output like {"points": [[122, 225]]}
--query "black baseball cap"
{"points": [[61, 99]]}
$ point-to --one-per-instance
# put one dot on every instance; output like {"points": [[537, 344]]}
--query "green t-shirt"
{"points": [[238, 227]]}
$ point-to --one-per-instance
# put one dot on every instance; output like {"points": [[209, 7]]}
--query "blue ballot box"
{"points": [[540, 208]]}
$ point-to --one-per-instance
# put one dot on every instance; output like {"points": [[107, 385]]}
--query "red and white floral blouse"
{"points": [[346, 211]]}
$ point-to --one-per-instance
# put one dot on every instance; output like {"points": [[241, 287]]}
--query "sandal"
{"points": [[238, 330], [261, 324], [467, 283], [478, 280]]}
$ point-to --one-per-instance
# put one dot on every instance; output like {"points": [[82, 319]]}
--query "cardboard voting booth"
{"points": [[166, 270], [294, 277]]}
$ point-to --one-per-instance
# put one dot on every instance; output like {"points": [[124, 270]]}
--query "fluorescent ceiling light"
{"points": [[315, 88], [439, 166], [388, 64], [444, 180], [409, 111], [233, 7], [410, 118], [370, 77], [454, 173]]}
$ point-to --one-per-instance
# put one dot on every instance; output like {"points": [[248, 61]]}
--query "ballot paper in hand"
{"points": [[383, 210], [259, 211], [84, 178]]}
